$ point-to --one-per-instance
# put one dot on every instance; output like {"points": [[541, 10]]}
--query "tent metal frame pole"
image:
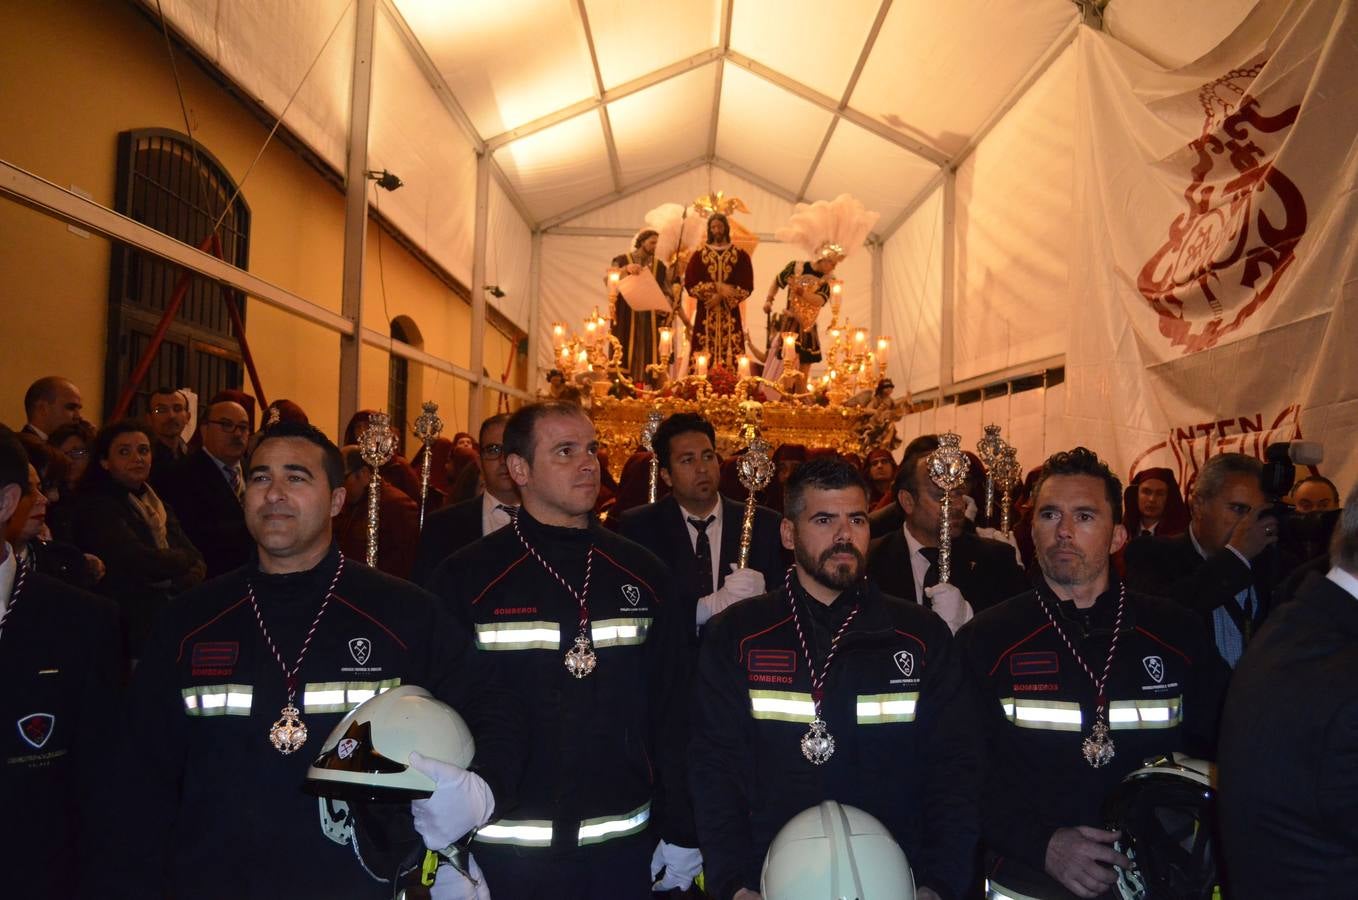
{"points": [[534, 313], [875, 248], [721, 73], [619, 232], [475, 400], [949, 298], [614, 163], [356, 210], [920, 199]]}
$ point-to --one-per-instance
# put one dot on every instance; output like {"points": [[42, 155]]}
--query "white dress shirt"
{"points": [[919, 563], [8, 570], [1344, 579], [493, 518]]}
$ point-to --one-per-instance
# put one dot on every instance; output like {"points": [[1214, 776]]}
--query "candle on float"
{"points": [[859, 337], [789, 346], [701, 361], [743, 367], [666, 343], [565, 353], [558, 333], [582, 358], [836, 286]]}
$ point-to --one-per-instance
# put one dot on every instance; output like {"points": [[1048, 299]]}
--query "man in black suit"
{"points": [[696, 531], [205, 489], [167, 416], [904, 562], [1221, 567], [49, 403], [1289, 741], [454, 527]]}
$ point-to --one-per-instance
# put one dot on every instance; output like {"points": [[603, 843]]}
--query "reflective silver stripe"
{"points": [[619, 632], [994, 891], [518, 636], [341, 696], [782, 706], [218, 699], [596, 831], [1050, 715], [876, 709], [1163, 712], [538, 833], [523, 833]]}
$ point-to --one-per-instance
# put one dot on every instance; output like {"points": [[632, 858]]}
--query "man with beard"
{"points": [[1079, 682], [720, 275], [827, 689]]}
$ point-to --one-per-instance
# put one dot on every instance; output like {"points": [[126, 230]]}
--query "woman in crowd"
{"points": [[119, 518]]}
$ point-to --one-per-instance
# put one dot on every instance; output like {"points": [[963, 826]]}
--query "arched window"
{"points": [[404, 382], [181, 190]]}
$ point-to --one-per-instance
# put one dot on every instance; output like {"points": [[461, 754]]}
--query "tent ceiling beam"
{"points": [[757, 180], [1022, 87], [614, 164], [848, 92], [721, 71], [659, 76], [904, 216], [551, 224], [608, 231], [885, 132]]}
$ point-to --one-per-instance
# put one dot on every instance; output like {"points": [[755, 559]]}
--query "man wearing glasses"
{"points": [[168, 416], [205, 490], [451, 529]]}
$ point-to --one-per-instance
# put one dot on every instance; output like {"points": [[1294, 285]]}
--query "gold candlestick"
{"points": [[428, 426], [948, 467], [647, 439], [988, 449], [376, 444]]}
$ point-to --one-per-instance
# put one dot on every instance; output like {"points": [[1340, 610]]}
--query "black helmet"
{"points": [[1166, 812]]}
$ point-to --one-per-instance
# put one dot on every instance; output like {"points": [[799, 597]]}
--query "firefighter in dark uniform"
{"points": [[828, 656], [1080, 681], [59, 661], [582, 625], [208, 796]]}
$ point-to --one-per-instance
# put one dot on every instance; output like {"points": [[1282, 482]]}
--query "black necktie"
{"points": [[931, 573], [511, 511], [703, 551]]}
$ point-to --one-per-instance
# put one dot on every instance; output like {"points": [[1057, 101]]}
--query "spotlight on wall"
{"points": [[494, 291], [386, 180]]}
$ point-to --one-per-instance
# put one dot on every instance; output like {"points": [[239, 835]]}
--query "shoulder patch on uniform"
{"points": [[36, 729], [1038, 662], [767, 661], [214, 657]]}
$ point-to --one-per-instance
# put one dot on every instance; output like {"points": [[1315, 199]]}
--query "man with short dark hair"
{"points": [[827, 689], [450, 529], [695, 531], [59, 670], [167, 416], [582, 624], [296, 639], [904, 562], [206, 489], [1079, 680], [49, 403], [1315, 493], [1289, 741], [1222, 567]]}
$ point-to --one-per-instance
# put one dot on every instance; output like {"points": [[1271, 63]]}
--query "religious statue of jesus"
{"points": [[720, 276]]}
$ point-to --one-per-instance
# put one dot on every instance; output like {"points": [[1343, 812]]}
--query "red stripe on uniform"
{"points": [[496, 580], [629, 572], [391, 634], [1025, 640], [1168, 646], [741, 656], [180, 656]]}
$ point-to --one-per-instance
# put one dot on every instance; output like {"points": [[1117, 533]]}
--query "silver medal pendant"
{"points": [[580, 659], [818, 745], [1098, 747], [288, 734]]}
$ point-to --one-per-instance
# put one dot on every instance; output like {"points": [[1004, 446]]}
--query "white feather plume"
{"points": [[843, 221], [676, 231]]}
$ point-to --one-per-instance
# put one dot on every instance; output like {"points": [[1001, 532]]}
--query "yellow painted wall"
{"points": [[76, 73]]}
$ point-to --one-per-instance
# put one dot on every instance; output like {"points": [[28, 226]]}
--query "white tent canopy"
{"points": [[956, 122]]}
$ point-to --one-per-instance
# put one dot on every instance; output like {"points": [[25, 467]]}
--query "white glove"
{"points": [[739, 585], [450, 884], [995, 534], [950, 605], [461, 801], [680, 864]]}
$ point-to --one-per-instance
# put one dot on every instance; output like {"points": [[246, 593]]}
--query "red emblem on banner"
{"points": [[1226, 253]]}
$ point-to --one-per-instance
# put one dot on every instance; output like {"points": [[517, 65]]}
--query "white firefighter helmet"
{"points": [[1166, 811], [832, 851], [367, 756]]}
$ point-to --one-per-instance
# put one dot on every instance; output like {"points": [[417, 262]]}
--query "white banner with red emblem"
{"points": [[1215, 281]]}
